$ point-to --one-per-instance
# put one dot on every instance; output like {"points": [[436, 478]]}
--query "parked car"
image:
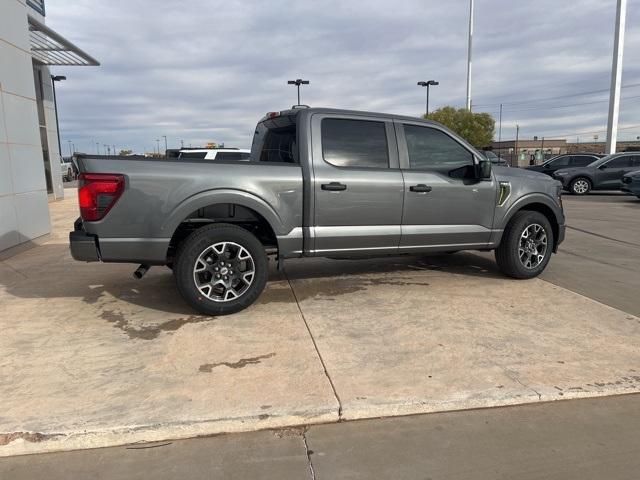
{"points": [[569, 160], [67, 169], [603, 174], [631, 183], [495, 159], [320, 183], [220, 154]]}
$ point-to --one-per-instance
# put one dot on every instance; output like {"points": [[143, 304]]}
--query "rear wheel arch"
{"points": [[224, 213]]}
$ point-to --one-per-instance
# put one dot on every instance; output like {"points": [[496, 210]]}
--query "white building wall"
{"points": [[24, 210]]}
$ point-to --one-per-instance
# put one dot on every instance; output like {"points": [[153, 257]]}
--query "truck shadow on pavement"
{"points": [[48, 271]]}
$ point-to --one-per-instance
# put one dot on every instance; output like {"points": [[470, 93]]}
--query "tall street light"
{"points": [[469, 51], [54, 79], [297, 83], [616, 77], [428, 84], [165, 144]]}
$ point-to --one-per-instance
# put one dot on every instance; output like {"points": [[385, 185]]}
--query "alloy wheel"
{"points": [[532, 247], [224, 271]]}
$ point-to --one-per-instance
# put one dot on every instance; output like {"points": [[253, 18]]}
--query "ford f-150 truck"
{"points": [[320, 182]]}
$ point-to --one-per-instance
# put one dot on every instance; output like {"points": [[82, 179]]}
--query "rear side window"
{"points": [[275, 141], [354, 143], [429, 148], [232, 156], [193, 154]]}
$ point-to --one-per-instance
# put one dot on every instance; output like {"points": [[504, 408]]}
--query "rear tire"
{"points": [[526, 246], [580, 186], [220, 269]]}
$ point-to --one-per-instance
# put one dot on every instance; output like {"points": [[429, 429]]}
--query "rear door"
{"points": [[358, 186], [443, 206]]}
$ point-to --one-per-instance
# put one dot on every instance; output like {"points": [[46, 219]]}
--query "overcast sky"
{"points": [[208, 70]]}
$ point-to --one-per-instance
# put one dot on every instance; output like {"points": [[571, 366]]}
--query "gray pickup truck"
{"points": [[320, 183]]}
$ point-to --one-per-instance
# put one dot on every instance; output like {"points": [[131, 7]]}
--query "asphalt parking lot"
{"points": [[92, 357]]}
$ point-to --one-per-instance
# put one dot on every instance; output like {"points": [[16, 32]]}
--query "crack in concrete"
{"points": [[243, 362], [315, 345], [309, 453], [516, 379]]}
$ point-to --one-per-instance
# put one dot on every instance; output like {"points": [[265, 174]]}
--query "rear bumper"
{"points": [[83, 246]]}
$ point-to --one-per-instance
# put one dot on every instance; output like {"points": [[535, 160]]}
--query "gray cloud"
{"points": [[206, 71]]}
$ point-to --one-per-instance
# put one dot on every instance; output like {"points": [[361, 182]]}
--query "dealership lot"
{"points": [[92, 357]]}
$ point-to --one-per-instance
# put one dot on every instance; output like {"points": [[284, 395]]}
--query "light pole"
{"points": [[158, 145], [469, 51], [297, 82], [428, 84], [500, 133], [165, 144], [54, 79], [98, 148], [70, 151], [616, 77], [181, 144]]}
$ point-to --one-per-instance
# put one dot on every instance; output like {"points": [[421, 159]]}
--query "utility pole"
{"points": [[500, 134], [616, 77], [469, 51]]}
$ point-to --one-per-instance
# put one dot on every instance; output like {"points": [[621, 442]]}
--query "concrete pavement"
{"points": [[571, 440], [92, 357]]}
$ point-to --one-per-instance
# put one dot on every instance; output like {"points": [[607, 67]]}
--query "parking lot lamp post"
{"points": [[428, 84], [297, 82], [165, 144], [70, 151], [54, 79], [158, 145]]}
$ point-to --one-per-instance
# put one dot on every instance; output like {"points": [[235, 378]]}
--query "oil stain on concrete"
{"points": [[243, 362], [149, 332]]}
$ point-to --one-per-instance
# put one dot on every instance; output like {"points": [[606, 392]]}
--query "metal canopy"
{"points": [[50, 48]]}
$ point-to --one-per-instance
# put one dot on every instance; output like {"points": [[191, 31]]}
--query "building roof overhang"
{"points": [[50, 48]]}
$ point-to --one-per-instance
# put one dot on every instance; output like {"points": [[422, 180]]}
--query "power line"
{"points": [[545, 99]]}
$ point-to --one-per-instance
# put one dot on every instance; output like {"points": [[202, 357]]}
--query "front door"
{"points": [[609, 175], [358, 187], [444, 205]]}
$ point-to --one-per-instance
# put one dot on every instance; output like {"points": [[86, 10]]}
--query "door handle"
{"points": [[421, 188], [333, 186]]}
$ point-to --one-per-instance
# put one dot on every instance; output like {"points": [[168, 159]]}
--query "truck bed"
{"points": [[160, 193]]}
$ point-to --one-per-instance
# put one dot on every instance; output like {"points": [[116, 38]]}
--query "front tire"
{"points": [[526, 245], [220, 269], [580, 186]]}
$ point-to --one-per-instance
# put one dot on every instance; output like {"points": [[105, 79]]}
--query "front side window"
{"points": [[432, 148], [620, 162], [354, 143], [560, 162]]}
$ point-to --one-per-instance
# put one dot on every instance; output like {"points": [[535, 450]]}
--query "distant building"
{"points": [[30, 170], [600, 147], [528, 152]]}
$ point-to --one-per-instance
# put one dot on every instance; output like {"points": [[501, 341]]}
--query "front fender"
{"points": [[529, 200], [217, 196]]}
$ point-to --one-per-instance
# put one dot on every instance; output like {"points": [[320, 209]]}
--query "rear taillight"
{"points": [[98, 193]]}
